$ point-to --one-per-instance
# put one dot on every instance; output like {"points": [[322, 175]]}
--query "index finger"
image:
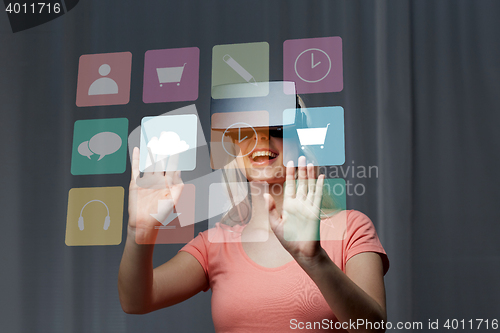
{"points": [[311, 181], [318, 195], [290, 180], [135, 163], [171, 169], [302, 171]]}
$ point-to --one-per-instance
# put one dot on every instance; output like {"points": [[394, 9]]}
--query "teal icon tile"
{"points": [[240, 70], [332, 212], [334, 195], [319, 136], [99, 146]]}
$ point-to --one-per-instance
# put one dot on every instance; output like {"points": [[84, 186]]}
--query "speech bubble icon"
{"points": [[84, 150], [105, 143]]}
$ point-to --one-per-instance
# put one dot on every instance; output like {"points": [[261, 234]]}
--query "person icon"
{"points": [[103, 85]]}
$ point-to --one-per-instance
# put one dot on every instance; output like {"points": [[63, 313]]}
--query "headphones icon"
{"points": [[107, 220]]}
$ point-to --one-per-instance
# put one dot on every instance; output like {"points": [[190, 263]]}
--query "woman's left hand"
{"points": [[297, 228]]}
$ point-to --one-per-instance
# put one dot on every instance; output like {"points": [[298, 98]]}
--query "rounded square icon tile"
{"points": [[231, 132], [104, 79], [333, 214], [314, 64], [99, 146], [246, 63], [178, 227], [163, 137], [171, 75], [321, 141], [95, 216]]}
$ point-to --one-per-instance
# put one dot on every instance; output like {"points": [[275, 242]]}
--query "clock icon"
{"points": [[312, 65], [239, 137]]}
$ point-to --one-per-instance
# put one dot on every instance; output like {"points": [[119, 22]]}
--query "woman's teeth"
{"points": [[263, 153]]}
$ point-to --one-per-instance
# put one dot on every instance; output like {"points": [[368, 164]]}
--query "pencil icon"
{"points": [[239, 69]]}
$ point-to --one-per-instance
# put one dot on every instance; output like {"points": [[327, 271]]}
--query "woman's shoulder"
{"points": [[356, 218], [359, 222], [342, 223]]}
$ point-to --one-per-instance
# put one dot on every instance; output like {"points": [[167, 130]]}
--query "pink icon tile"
{"points": [[171, 75], [314, 64], [104, 79]]}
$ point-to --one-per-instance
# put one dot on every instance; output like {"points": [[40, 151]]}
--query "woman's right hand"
{"points": [[154, 193]]}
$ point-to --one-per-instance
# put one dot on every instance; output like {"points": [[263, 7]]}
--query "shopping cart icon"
{"points": [[312, 136], [170, 74]]}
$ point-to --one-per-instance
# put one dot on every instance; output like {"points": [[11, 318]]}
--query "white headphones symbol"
{"points": [[107, 220]]}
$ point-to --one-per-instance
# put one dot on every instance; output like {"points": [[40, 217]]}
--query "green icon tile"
{"points": [[99, 146], [240, 70], [332, 221]]}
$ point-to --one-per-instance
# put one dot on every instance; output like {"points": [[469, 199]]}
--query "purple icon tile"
{"points": [[314, 64], [171, 75]]}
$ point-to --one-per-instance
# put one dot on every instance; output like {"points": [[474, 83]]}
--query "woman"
{"points": [[283, 283]]}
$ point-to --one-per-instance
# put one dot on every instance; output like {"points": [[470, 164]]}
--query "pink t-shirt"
{"points": [[247, 297]]}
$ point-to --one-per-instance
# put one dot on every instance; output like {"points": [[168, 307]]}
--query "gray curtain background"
{"points": [[421, 83]]}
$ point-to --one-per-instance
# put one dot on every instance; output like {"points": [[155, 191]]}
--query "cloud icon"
{"points": [[169, 143], [103, 144]]}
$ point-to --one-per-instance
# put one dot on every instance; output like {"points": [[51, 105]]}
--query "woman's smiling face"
{"points": [[260, 155]]}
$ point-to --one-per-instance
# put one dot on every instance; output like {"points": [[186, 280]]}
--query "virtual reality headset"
{"points": [[264, 110]]}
